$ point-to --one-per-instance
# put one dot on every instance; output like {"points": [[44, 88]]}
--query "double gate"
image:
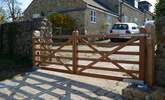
{"points": [[81, 55]]}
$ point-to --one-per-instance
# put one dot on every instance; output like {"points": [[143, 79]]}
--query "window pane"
{"points": [[120, 26], [93, 16]]}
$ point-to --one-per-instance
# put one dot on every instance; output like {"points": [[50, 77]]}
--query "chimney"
{"points": [[131, 2], [144, 6]]}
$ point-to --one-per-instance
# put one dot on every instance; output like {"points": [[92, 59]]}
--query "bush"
{"points": [[62, 24], [160, 12]]}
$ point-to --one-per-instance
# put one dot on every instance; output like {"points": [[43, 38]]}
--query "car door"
{"points": [[134, 29]]}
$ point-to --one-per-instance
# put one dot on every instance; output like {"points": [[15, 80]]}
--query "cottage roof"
{"points": [[95, 4]]}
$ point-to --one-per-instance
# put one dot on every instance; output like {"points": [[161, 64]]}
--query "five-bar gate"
{"points": [[88, 56]]}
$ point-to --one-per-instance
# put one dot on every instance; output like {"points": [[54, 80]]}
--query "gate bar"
{"points": [[75, 50]]}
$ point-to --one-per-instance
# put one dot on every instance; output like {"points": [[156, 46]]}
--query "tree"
{"points": [[13, 9], [160, 14], [2, 15], [160, 8]]}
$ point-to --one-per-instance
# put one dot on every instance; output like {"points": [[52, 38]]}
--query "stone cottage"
{"points": [[136, 11], [91, 16]]}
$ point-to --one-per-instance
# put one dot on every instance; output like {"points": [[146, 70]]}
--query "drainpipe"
{"points": [[144, 15]]}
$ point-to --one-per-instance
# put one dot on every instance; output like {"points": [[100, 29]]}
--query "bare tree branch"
{"points": [[13, 8]]}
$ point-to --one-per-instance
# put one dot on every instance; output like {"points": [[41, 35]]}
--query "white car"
{"points": [[124, 28]]}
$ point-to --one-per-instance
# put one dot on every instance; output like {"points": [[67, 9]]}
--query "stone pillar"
{"points": [[46, 37], [45, 29]]}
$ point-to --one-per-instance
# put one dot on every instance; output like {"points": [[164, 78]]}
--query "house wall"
{"points": [[102, 25], [133, 13], [49, 6], [149, 16], [77, 10], [74, 8]]}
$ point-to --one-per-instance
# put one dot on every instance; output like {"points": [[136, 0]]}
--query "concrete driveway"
{"points": [[47, 85]]}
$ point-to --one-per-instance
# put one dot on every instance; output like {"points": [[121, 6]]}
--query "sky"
{"points": [[25, 4], [153, 2]]}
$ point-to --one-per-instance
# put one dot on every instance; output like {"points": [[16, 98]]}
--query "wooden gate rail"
{"points": [[43, 56]]}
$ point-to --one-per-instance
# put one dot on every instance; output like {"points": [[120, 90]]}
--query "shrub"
{"points": [[62, 24], [160, 12], [160, 8]]}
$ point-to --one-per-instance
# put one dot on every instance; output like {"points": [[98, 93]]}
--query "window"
{"points": [[120, 26], [134, 28], [93, 16]]}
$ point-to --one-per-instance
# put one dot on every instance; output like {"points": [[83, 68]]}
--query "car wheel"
{"points": [[124, 40], [114, 40]]}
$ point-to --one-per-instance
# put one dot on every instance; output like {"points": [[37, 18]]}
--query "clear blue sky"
{"points": [[25, 3]]}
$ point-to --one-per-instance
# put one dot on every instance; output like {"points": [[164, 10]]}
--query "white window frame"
{"points": [[93, 16], [36, 15]]}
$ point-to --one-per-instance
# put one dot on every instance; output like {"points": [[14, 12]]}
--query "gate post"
{"points": [[75, 50], [142, 58], [150, 52]]}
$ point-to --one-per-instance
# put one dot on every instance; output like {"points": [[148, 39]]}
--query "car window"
{"points": [[134, 28], [120, 26]]}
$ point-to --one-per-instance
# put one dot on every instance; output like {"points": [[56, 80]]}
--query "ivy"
{"points": [[160, 12], [160, 8]]}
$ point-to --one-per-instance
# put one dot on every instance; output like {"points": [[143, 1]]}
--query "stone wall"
{"points": [[160, 58], [16, 38], [137, 93]]}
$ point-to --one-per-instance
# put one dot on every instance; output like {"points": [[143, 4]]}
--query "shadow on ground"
{"points": [[38, 86]]}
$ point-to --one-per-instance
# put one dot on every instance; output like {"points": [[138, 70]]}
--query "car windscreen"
{"points": [[120, 26]]}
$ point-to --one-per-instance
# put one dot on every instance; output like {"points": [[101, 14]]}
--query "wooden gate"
{"points": [[80, 55]]}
